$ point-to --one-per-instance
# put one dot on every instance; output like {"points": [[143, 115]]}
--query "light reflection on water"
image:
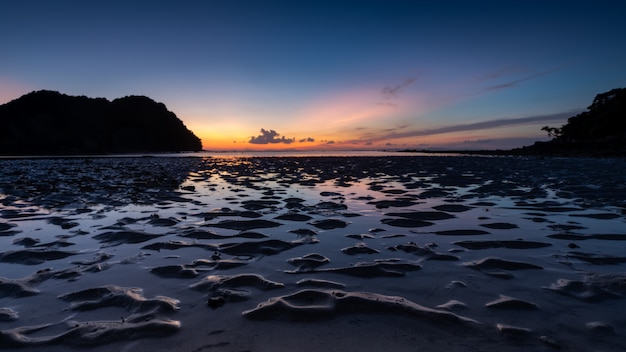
{"points": [[110, 194]]}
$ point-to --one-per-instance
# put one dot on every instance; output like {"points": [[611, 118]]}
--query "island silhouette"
{"points": [[51, 123], [598, 131]]}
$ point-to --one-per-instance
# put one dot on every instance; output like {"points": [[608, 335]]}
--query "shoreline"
{"points": [[522, 152], [541, 152]]}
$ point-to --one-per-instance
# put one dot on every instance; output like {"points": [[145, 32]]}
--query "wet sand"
{"points": [[404, 253]]}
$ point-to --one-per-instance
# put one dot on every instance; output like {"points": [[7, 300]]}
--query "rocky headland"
{"points": [[50, 123]]}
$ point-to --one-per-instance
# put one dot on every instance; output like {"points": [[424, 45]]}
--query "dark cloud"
{"points": [[491, 143], [559, 117], [270, 137], [308, 139], [477, 141], [395, 129], [392, 92], [500, 72]]}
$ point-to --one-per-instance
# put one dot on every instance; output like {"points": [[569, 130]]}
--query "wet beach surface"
{"points": [[370, 253]]}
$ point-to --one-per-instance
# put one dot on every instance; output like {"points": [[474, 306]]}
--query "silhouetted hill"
{"points": [[50, 123], [599, 131]]}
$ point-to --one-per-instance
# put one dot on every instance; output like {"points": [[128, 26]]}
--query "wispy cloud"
{"points": [[500, 72], [270, 137], [391, 93], [394, 91], [483, 125], [491, 143], [513, 83]]}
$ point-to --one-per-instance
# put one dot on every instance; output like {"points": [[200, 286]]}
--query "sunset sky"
{"points": [[252, 75]]}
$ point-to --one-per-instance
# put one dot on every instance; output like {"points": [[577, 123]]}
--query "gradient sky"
{"points": [[327, 74]]}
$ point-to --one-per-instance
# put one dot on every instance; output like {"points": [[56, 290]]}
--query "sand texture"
{"points": [[393, 253]]}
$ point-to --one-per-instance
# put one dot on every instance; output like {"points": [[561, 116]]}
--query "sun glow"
{"points": [[356, 119], [10, 90]]}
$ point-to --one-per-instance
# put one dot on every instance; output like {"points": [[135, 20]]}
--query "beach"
{"points": [[313, 253]]}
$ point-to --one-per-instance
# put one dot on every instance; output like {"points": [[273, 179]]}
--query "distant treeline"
{"points": [[50, 123]]}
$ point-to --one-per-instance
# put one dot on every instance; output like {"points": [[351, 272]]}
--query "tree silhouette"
{"points": [[552, 131], [600, 130]]}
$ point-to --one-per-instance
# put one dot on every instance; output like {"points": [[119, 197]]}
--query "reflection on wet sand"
{"points": [[174, 252]]}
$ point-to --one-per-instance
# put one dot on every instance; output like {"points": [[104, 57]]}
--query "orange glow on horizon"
{"points": [[235, 140], [355, 120], [332, 120], [10, 91]]}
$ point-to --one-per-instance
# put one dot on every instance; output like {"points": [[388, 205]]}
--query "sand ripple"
{"points": [[214, 282], [33, 256], [520, 244], [25, 286], [131, 299], [89, 333], [594, 288], [323, 304], [369, 245]]}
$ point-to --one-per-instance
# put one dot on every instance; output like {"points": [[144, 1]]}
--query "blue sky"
{"points": [[327, 74]]}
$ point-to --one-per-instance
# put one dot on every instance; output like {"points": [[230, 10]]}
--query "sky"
{"points": [[322, 75]]}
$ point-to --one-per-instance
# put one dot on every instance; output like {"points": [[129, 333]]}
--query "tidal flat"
{"points": [[335, 253]]}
